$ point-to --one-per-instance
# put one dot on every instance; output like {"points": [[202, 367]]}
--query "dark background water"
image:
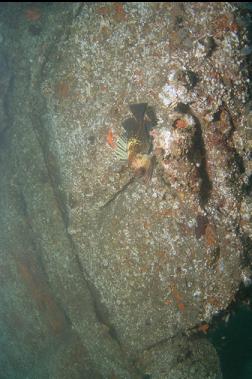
{"points": [[232, 337]]}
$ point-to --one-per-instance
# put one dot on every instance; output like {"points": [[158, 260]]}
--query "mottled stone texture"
{"points": [[102, 274]]}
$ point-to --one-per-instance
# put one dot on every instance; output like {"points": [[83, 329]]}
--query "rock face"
{"points": [[105, 274]]}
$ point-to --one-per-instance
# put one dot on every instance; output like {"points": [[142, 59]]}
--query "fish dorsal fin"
{"points": [[130, 126], [138, 110]]}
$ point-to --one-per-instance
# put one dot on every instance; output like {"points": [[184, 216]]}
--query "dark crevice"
{"points": [[188, 79], [246, 259], [100, 310], [164, 341], [216, 116], [239, 162], [247, 188], [237, 157], [198, 156], [50, 160], [209, 44], [23, 208], [182, 108], [102, 315]]}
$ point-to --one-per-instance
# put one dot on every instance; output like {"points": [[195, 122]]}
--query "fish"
{"points": [[135, 144]]}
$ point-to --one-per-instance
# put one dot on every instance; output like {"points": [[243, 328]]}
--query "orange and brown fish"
{"points": [[135, 145]]}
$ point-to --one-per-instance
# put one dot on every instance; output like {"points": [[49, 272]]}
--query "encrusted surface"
{"points": [[131, 265]]}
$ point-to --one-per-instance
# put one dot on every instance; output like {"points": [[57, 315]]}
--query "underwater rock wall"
{"points": [[105, 274]]}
